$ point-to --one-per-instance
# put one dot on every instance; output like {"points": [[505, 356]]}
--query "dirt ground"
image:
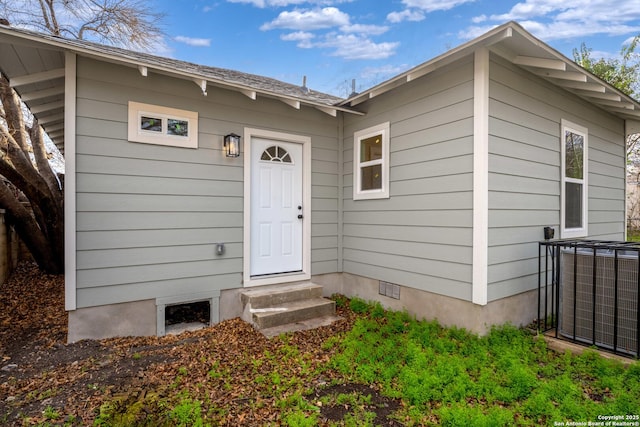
{"points": [[40, 373]]}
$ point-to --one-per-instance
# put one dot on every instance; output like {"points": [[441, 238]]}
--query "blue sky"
{"points": [[334, 41]]}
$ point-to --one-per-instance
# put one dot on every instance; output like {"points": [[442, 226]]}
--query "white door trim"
{"points": [[249, 134]]}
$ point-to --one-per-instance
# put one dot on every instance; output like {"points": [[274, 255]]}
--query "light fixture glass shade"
{"points": [[232, 145]]}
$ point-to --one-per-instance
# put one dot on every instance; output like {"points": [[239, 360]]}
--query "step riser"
{"points": [[281, 297], [278, 318]]}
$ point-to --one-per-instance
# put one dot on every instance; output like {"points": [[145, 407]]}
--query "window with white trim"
{"points": [[371, 163], [153, 124], [574, 174]]}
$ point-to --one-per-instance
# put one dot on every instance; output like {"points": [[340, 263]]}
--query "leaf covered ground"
{"points": [[374, 367], [229, 369]]}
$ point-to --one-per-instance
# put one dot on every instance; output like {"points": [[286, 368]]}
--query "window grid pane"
{"points": [[574, 155], [371, 178], [371, 148], [177, 127], [152, 124], [573, 205]]}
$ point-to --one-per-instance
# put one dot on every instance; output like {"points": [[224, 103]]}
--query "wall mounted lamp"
{"points": [[232, 145]]}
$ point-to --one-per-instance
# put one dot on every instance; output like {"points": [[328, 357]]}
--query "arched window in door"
{"points": [[276, 154]]}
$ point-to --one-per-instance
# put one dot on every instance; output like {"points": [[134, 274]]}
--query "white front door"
{"points": [[276, 207]]}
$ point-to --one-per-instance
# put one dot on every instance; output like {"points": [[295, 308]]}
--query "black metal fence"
{"points": [[589, 292]]}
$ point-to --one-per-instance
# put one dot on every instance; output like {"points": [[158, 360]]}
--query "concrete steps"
{"points": [[284, 308]]}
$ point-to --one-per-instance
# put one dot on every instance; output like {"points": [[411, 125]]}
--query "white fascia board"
{"points": [[136, 63], [490, 38], [480, 269], [70, 183]]}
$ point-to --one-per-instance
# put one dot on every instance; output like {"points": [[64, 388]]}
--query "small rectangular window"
{"points": [[371, 163], [153, 124], [574, 197]]}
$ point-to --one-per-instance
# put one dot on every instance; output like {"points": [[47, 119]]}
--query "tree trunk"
{"points": [[42, 228]]}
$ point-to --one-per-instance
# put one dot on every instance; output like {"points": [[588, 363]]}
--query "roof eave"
{"points": [[147, 66], [554, 67]]}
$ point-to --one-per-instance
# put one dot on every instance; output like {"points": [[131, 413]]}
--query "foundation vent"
{"points": [[188, 312], [390, 290]]}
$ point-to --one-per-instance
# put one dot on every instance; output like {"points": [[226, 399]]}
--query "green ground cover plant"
{"points": [[447, 376], [378, 367]]}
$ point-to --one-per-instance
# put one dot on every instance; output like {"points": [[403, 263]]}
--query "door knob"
{"points": [[299, 216]]}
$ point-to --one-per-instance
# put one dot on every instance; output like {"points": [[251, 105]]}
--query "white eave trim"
{"points": [[440, 61], [548, 64], [144, 68]]}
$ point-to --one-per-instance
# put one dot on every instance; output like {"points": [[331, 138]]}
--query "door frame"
{"points": [[305, 141]]}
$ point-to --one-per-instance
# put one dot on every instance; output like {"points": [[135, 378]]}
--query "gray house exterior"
{"points": [[443, 220]]}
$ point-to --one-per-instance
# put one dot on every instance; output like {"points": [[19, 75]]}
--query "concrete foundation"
{"points": [[116, 320], [518, 310], [140, 319]]}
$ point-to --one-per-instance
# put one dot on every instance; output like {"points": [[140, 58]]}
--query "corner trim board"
{"points": [[480, 268], [70, 182]]}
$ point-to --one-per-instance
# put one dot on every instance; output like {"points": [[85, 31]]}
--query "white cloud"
{"points": [[306, 19], [193, 41], [434, 5], [383, 72], [479, 19], [561, 19], [303, 38], [405, 15], [364, 29], [475, 31], [630, 40], [345, 39], [284, 3], [350, 46], [415, 9], [297, 36]]}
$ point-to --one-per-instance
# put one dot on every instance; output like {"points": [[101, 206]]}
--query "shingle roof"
{"points": [[214, 74]]}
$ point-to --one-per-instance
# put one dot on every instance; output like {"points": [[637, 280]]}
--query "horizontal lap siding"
{"points": [[149, 216], [524, 172], [421, 236]]}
